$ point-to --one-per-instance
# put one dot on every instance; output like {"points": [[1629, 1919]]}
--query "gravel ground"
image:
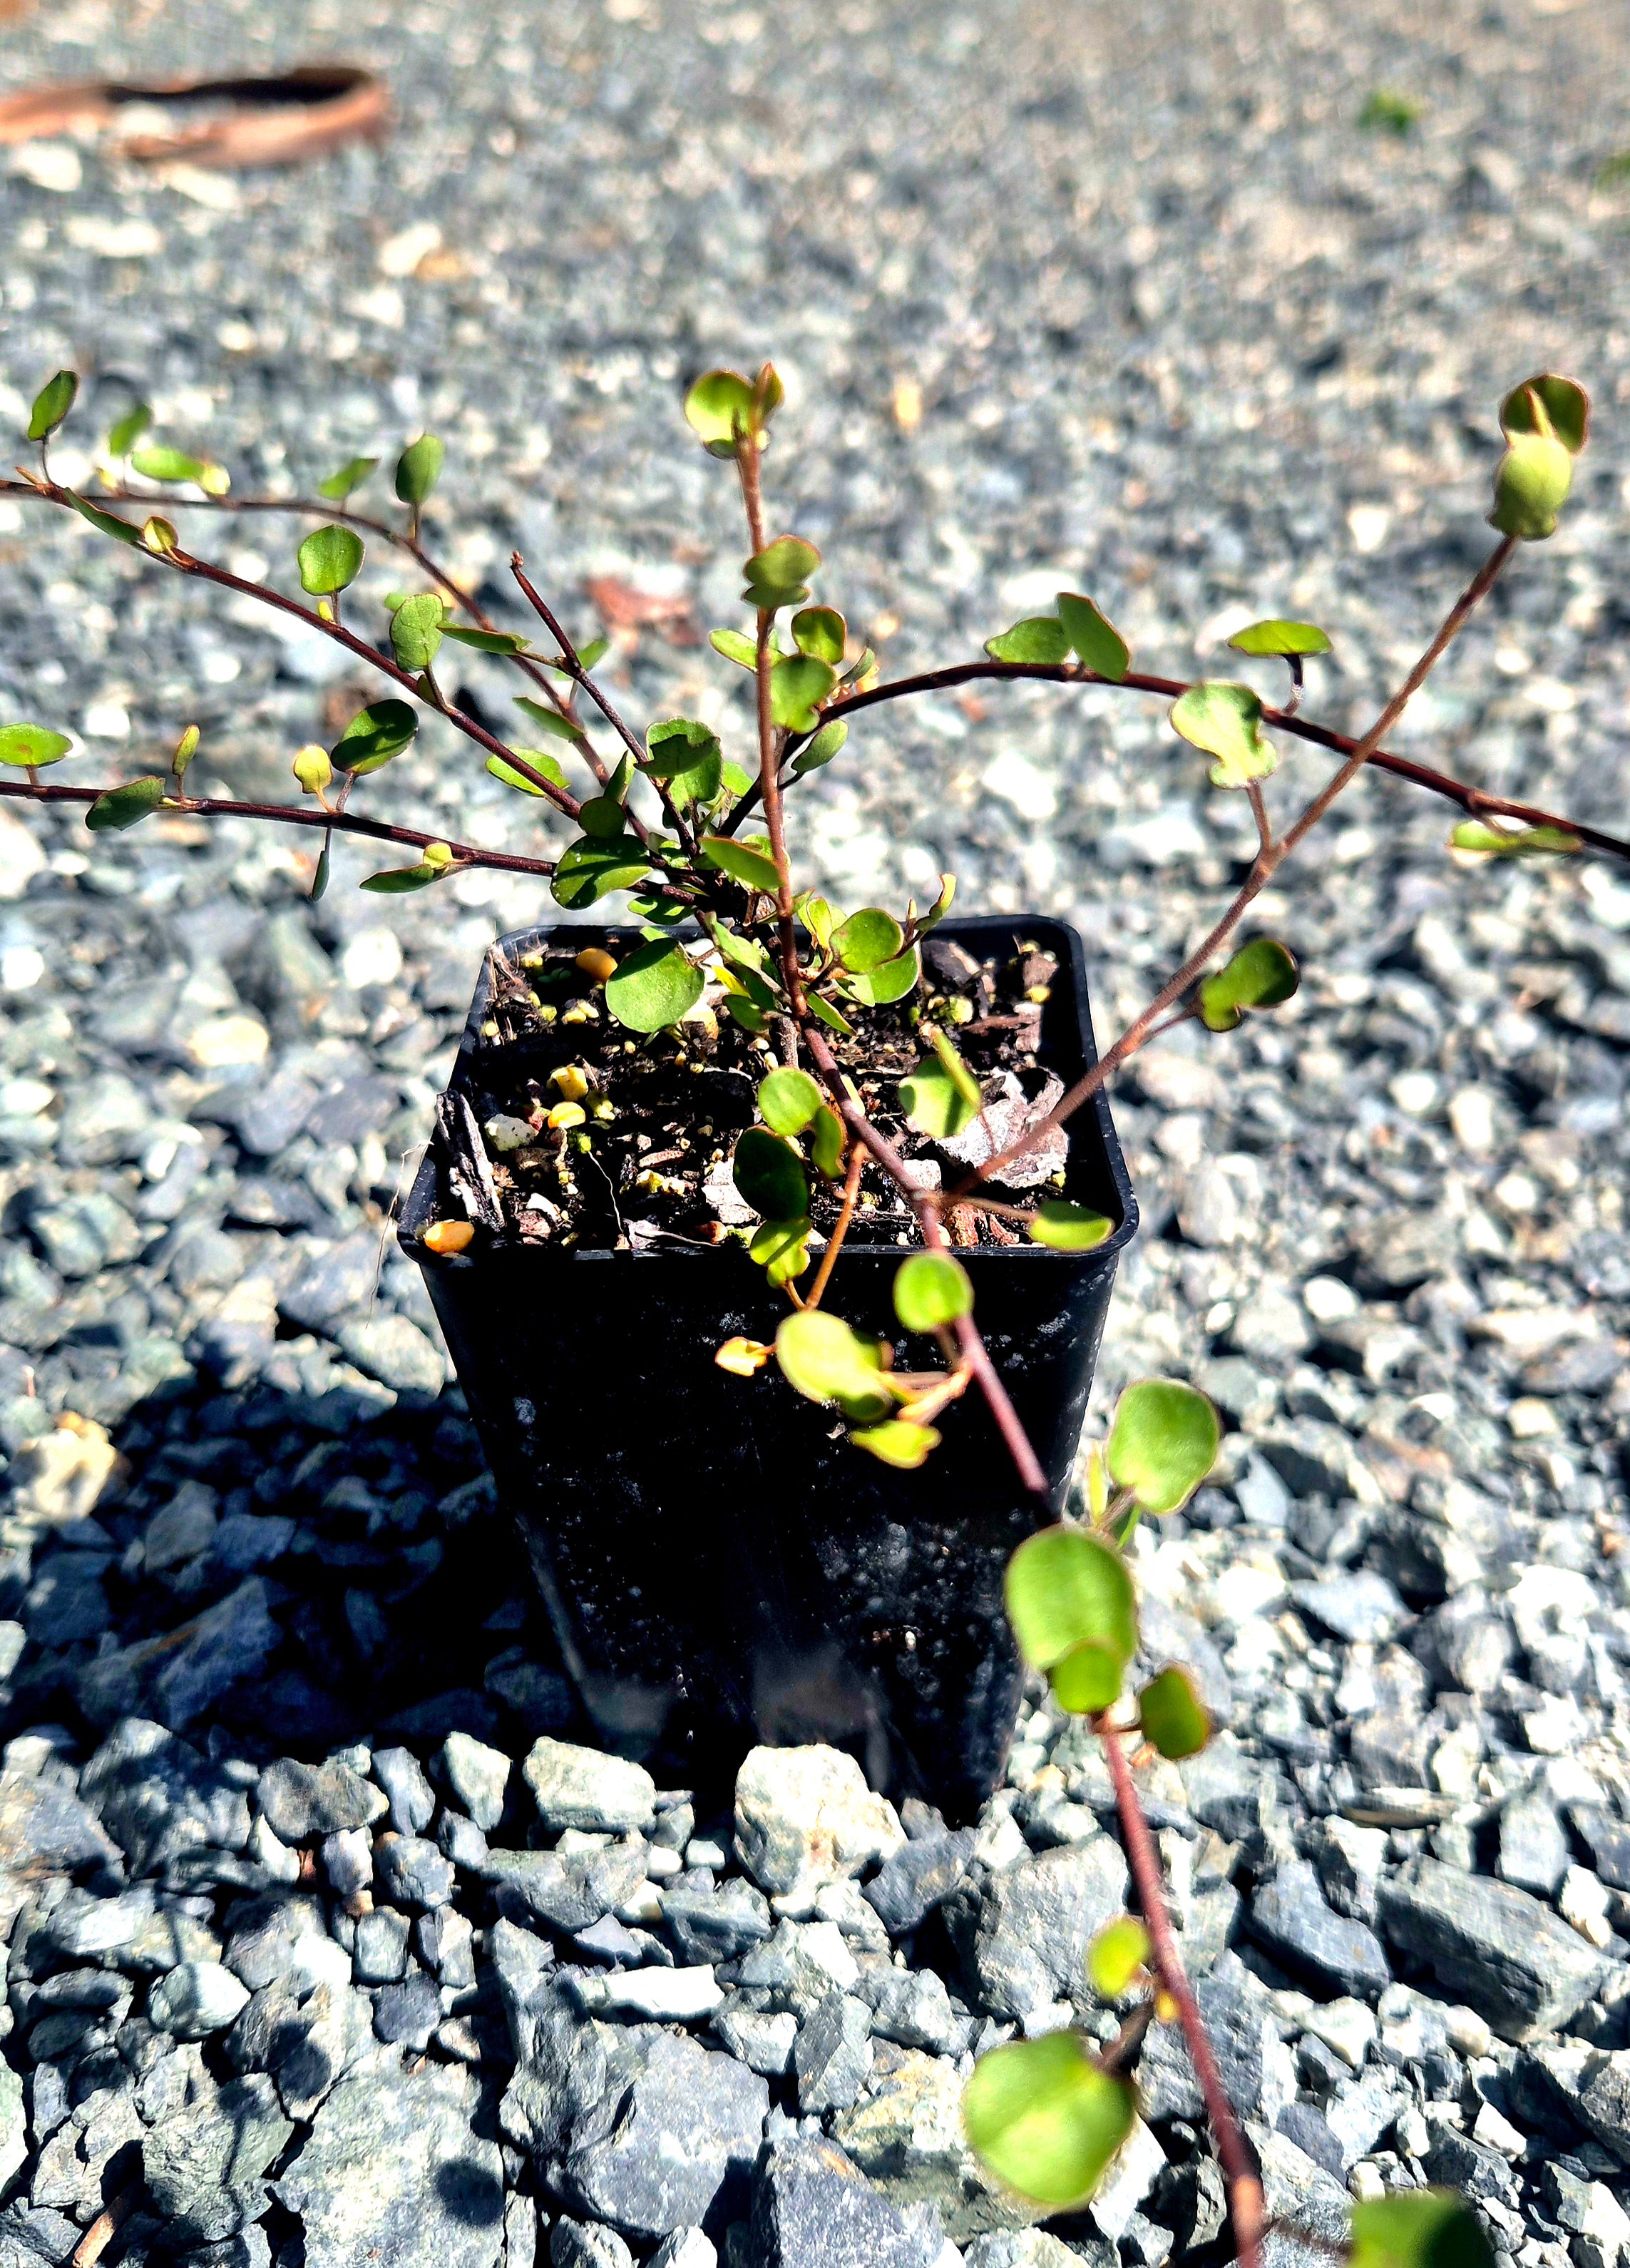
{"points": [[1126, 300]]}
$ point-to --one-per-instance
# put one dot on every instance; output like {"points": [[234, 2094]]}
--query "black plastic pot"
{"points": [[720, 1567]]}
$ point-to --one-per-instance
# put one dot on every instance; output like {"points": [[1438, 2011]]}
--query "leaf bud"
{"points": [[1531, 486]]}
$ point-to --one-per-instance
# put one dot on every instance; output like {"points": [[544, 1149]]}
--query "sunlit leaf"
{"points": [[1045, 2119], [820, 748], [1174, 1718], [1419, 2228], [485, 641], [163, 464], [742, 1011], [1531, 483], [788, 1100], [1550, 405], [867, 940], [931, 1291], [587, 870], [1088, 1678], [777, 576], [125, 807], [1116, 1954], [419, 468], [1513, 842], [1065, 1588], [1226, 721], [736, 646], [743, 1357], [106, 523], [820, 632], [35, 745], [827, 1142], [351, 476], [1283, 638], [751, 868], [817, 916], [159, 535], [125, 433], [941, 906], [933, 1103], [373, 736], [890, 981], [796, 686], [186, 749], [897, 1443], [437, 862], [330, 559], [1163, 1443], [687, 755], [769, 1175], [1065, 1227], [560, 727], [312, 768], [602, 818], [823, 1359], [719, 410], [596, 651], [52, 404], [1093, 638], [833, 1018], [540, 761], [781, 1249], [1260, 975], [656, 985], [416, 630], [1038, 639]]}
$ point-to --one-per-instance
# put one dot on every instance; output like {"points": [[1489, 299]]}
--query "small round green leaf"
{"points": [[125, 807], [419, 468], [788, 1100], [1260, 975], [820, 748], [1094, 640], [1065, 1587], [1175, 1720], [827, 1142], [1513, 842], [1531, 483], [416, 630], [823, 1359], [1548, 404], [934, 1102], [736, 646], [896, 1443], [867, 940], [602, 818], [1065, 1227], [781, 1249], [798, 685], [931, 1290], [821, 632], [587, 870], [52, 404], [777, 576], [1419, 2228], [751, 868], [1226, 721], [770, 1176], [339, 485], [312, 768], [330, 559], [719, 409], [373, 736], [1045, 2120], [890, 981], [34, 745], [1163, 1443], [1038, 639], [656, 985], [1280, 638], [687, 755], [1116, 1954], [1088, 1678]]}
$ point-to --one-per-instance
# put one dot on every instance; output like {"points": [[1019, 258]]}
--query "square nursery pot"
{"points": [[720, 1567]]}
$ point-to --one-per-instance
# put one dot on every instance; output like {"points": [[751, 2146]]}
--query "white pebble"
{"points": [[21, 967]]}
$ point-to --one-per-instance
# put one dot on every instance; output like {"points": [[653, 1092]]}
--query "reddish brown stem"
{"points": [[846, 1213], [1239, 2172]]}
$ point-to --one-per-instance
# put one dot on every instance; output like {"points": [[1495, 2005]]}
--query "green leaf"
{"points": [[1065, 1588], [1226, 721], [1045, 2119], [351, 476], [1088, 1678], [788, 1100], [1116, 1954], [769, 1175], [827, 1143], [1280, 637], [782, 1248], [1094, 639], [603, 817], [596, 649], [52, 404], [1514, 842], [931, 1290], [1260, 975], [486, 641], [437, 862], [687, 755], [324, 860], [743, 1012], [821, 749], [587, 870], [817, 917], [821, 632], [736, 646], [1065, 1227], [373, 736], [1175, 1720], [330, 559], [125, 433], [1531, 483], [796, 686], [312, 769], [162, 464], [650, 906], [823, 1359], [868, 939], [1549, 405], [736, 781], [549, 720], [1038, 639], [941, 906], [106, 523], [416, 630], [1163, 1443], [833, 1018], [1419, 2228], [934, 1102], [655, 986], [186, 749], [33, 744], [890, 981], [776, 575], [718, 407], [419, 468], [961, 1077], [540, 761], [898, 1444], [125, 807], [751, 868]]}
